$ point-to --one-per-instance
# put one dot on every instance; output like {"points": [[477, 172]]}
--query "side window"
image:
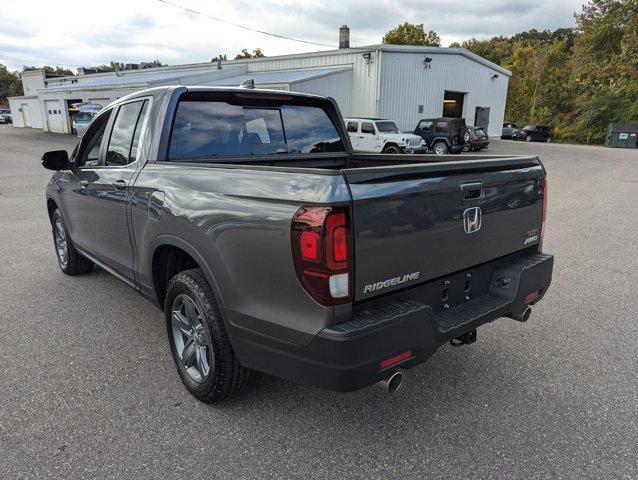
{"points": [[120, 147], [353, 127], [92, 141], [441, 127], [425, 125], [367, 128], [138, 133]]}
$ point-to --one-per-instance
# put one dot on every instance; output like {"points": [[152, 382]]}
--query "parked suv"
{"points": [[377, 135], [536, 133], [443, 135], [478, 139], [508, 128]]}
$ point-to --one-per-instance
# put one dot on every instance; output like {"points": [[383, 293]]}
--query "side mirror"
{"points": [[56, 160]]}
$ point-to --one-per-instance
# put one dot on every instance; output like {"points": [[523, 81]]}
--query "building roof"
{"points": [[278, 77], [112, 79]]}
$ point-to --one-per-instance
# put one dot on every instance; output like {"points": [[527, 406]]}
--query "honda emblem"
{"points": [[472, 219]]}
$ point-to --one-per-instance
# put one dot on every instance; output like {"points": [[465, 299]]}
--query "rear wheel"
{"points": [[440, 148], [549, 139], [69, 260], [199, 342]]}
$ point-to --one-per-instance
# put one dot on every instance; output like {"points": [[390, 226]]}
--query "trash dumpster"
{"points": [[622, 135]]}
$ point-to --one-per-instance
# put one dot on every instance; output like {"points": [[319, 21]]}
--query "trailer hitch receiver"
{"points": [[465, 339]]}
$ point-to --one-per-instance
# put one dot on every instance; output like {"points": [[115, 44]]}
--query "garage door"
{"points": [[55, 116]]}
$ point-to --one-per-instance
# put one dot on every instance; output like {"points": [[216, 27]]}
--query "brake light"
{"points": [[544, 207], [321, 250]]}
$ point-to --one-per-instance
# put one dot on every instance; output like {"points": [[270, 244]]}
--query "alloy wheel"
{"points": [[61, 246], [191, 339]]}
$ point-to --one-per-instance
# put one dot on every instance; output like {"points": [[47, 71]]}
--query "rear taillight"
{"points": [[322, 252], [544, 214]]}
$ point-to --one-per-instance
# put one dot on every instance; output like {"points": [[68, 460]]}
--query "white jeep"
{"points": [[377, 135]]}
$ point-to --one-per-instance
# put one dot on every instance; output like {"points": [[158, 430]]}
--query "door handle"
{"points": [[119, 184], [471, 190]]}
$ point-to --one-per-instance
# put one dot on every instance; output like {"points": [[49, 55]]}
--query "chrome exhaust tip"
{"points": [[523, 316], [392, 383]]}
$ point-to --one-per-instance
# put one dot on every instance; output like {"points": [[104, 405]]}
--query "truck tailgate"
{"points": [[413, 223]]}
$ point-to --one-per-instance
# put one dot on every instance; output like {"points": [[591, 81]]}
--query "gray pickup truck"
{"points": [[270, 246]]}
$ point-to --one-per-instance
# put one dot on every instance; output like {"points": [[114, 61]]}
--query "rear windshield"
{"points": [[208, 129], [480, 131], [83, 117]]}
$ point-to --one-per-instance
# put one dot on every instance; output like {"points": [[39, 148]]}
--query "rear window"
{"points": [[480, 131], [207, 129], [83, 117]]}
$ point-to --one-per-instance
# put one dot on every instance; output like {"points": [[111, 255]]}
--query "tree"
{"points": [[246, 54], [10, 85], [220, 58], [49, 70], [411, 34]]}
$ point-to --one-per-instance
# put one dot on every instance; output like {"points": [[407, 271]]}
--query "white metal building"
{"points": [[403, 83]]}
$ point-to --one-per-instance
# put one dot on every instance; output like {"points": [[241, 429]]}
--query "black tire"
{"points": [[392, 149], [226, 376], [528, 138], [74, 263], [440, 148], [548, 140]]}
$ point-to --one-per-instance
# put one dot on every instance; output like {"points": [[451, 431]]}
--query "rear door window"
{"points": [[367, 128], [122, 148], [205, 128]]}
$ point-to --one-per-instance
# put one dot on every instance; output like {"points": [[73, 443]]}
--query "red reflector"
{"points": [[388, 362], [309, 245], [532, 296], [340, 250]]}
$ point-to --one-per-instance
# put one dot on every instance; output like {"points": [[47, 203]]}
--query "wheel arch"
{"points": [[52, 206], [166, 249]]}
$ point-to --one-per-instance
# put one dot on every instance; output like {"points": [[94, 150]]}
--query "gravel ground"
{"points": [[88, 388]]}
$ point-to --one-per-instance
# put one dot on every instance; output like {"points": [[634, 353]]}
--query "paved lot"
{"points": [[88, 388]]}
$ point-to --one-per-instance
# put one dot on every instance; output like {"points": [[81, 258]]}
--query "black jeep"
{"points": [[443, 135]]}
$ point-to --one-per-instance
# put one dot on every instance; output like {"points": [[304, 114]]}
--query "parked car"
{"points": [[6, 118], [378, 135], [479, 139], [245, 216], [536, 133], [84, 115], [508, 128], [443, 135]]}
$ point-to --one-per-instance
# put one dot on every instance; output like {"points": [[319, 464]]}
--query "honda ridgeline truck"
{"points": [[270, 246]]}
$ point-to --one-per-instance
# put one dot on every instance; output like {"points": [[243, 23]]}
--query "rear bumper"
{"points": [[482, 144], [348, 356]]}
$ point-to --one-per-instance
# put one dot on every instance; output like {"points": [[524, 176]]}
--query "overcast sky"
{"points": [[83, 33]]}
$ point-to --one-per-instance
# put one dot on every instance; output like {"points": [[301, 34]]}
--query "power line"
{"points": [[243, 26], [54, 63]]}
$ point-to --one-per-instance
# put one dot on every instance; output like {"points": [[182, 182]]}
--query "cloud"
{"points": [[80, 33]]}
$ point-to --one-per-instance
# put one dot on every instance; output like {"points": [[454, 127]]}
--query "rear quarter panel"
{"points": [[238, 220]]}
